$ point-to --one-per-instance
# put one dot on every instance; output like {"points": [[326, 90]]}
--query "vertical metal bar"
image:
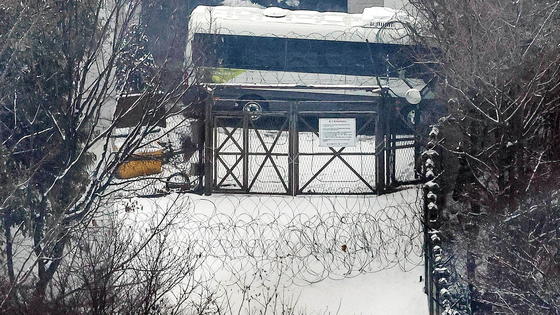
{"points": [[389, 141], [245, 153], [200, 146], [291, 136], [209, 145], [295, 150], [392, 160], [417, 144], [380, 148], [393, 135], [426, 270]]}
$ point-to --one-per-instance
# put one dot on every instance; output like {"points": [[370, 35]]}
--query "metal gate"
{"points": [[279, 152], [324, 169], [250, 159]]}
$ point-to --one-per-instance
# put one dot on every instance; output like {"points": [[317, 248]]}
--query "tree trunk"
{"points": [[46, 274], [12, 296]]}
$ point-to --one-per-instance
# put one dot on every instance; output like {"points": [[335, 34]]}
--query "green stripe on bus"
{"points": [[222, 75]]}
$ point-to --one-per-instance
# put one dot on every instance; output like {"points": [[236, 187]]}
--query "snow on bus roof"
{"points": [[374, 24]]}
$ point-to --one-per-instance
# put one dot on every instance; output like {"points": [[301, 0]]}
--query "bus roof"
{"points": [[376, 25]]}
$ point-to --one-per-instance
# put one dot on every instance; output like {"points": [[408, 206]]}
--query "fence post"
{"points": [[437, 271], [209, 145], [431, 196], [245, 154], [391, 142], [380, 147], [295, 155], [292, 150]]}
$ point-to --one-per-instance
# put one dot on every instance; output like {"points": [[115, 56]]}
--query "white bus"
{"points": [[251, 55]]}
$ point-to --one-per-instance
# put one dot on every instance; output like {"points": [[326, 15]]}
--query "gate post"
{"points": [[380, 147], [209, 145], [245, 154], [293, 161], [390, 112]]}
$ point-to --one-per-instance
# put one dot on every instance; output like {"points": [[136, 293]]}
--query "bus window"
{"points": [[252, 52], [304, 55]]}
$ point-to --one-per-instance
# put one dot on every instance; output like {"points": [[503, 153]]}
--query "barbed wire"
{"points": [[306, 239]]}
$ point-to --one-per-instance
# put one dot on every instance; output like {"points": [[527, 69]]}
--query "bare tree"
{"points": [[133, 260], [498, 68], [57, 86]]}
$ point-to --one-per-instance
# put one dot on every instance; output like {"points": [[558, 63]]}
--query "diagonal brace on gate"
{"points": [[229, 170], [268, 154], [336, 154]]}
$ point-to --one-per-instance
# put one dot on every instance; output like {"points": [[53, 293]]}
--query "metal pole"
{"points": [[295, 156], [380, 148], [393, 152], [245, 152], [292, 133], [209, 145]]}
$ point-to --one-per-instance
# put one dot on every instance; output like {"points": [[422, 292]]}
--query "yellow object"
{"points": [[223, 75], [141, 164]]}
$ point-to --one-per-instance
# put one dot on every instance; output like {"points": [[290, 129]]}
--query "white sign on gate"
{"points": [[337, 132]]}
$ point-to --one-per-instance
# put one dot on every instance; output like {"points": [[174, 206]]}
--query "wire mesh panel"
{"points": [[268, 153], [405, 152], [228, 153], [252, 152], [341, 169]]}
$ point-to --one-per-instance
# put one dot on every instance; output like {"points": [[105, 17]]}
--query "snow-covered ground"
{"points": [[311, 254]]}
